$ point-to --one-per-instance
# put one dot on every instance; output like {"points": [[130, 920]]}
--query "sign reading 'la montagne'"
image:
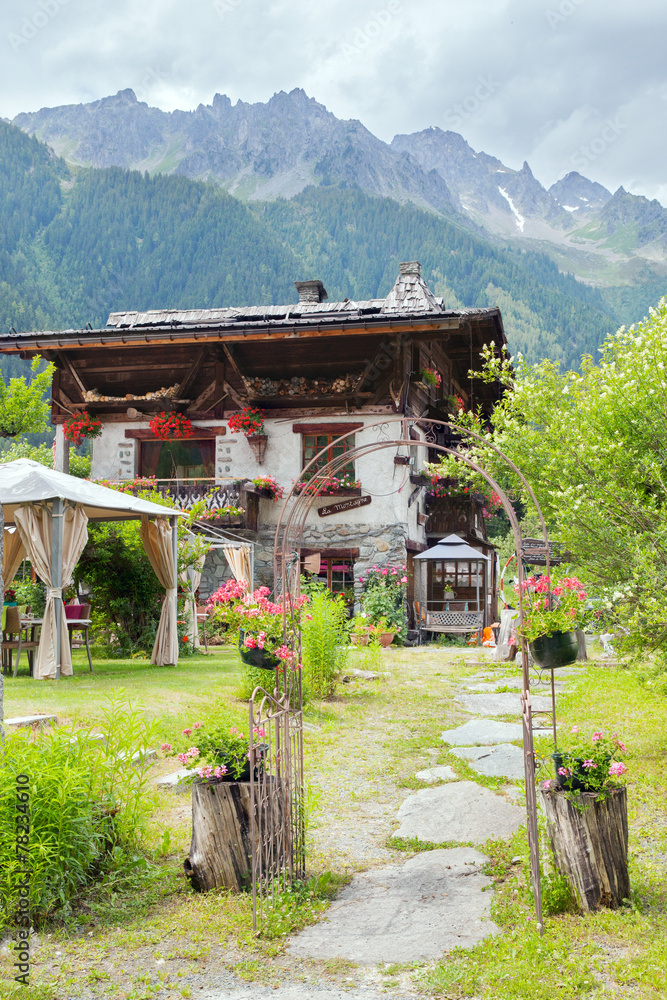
{"points": [[338, 508]]}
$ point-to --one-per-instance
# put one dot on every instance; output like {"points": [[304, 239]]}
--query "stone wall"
{"points": [[380, 546]]}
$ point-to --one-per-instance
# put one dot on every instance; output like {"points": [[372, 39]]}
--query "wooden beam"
{"points": [[199, 432], [202, 398], [326, 428], [229, 354], [66, 363], [235, 396], [192, 373]]}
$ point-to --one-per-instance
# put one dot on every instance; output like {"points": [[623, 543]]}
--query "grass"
{"points": [[361, 753]]}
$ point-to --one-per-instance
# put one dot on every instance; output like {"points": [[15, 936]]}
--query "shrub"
{"points": [[87, 810], [324, 644]]}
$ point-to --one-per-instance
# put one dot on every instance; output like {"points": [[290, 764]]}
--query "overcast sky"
{"points": [[564, 84]]}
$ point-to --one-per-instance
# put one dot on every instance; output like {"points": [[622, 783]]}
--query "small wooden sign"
{"points": [[339, 508]]}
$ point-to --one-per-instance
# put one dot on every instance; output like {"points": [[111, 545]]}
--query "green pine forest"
{"points": [[78, 244]]}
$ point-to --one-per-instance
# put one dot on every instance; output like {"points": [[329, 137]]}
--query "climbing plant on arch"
{"points": [[287, 561]]}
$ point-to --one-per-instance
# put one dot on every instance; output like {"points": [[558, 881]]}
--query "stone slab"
{"points": [[501, 761], [511, 682], [442, 772], [501, 704], [460, 811], [406, 912], [482, 732], [173, 782], [32, 720]]}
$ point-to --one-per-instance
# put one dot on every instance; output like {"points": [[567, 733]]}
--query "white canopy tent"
{"points": [[51, 511]]}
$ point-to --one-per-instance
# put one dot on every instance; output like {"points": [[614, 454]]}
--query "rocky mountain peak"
{"points": [[575, 193]]}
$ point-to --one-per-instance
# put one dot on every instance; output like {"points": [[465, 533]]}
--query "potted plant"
{"points": [[250, 422], [555, 610], [587, 819], [268, 486], [81, 426], [386, 631], [171, 425], [343, 485], [10, 598], [258, 649], [217, 753], [360, 630], [430, 377]]}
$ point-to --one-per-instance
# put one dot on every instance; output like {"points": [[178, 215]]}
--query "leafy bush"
{"points": [[324, 644], [87, 810], [384, 596]]}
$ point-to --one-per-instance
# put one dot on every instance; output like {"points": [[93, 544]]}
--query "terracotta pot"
{"points": [[386, 638], [359, 638]]}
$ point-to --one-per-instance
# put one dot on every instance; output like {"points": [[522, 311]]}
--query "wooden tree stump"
{"points": [[221, 846], [591, 846]]}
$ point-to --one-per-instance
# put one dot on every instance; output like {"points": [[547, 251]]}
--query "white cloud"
{"points": [[561, 68]]}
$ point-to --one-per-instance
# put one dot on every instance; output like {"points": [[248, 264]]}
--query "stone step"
{"points": [[504, 760], [441, 772], [32, 720], [460, 811], [174, 782]]}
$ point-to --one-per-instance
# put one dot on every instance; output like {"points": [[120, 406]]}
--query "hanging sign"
{"points": [[343, 505]]}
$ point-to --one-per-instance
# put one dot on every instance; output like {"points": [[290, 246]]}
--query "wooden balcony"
{"points": [[184, 494]]}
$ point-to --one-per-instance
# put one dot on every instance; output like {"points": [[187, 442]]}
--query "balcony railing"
{"points": [[184, 494]]}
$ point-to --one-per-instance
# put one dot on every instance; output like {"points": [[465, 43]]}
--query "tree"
{"points": [[24, 406], [593, 446]]}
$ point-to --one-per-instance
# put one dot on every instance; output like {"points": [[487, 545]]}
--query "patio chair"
{"points": [[13, 639], [202, 618], [80, 624]]}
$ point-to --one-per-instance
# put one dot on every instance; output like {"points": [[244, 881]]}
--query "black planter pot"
{"points": [[256, 657], [578, 780], [557, 650]]}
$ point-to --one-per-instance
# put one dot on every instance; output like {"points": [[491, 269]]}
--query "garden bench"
{"points": [[456, 622]]}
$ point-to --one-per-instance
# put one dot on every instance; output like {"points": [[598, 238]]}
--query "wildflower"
{"points": [[597, 736], [617, 768], [165, 748], [198, 725], [575, 729], [187, 732]]}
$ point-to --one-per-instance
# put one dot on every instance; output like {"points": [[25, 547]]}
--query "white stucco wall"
{"points": [[379, 530]]}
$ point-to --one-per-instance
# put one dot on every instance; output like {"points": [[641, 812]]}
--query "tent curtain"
{"points": [[13, 554], [35, 526], [156, 538], [191, 578], [239, 561]]}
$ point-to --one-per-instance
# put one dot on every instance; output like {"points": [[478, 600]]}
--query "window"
{"points": [[184, 458], [337, 573], [314, 443]]}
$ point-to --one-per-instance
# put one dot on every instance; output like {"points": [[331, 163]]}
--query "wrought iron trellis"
{"points": [[287, 704]]}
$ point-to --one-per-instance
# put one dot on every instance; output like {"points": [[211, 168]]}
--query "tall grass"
{"points": [[87, 806], [324, 644]]}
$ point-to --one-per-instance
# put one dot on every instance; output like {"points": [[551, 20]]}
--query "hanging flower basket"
{"points": [[82, 426], [254, 655], [556, 650], [249, 421], [258, 443], [171, 425]]}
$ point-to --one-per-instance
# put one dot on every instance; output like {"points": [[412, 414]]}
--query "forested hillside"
{"points": [[76, 244]]}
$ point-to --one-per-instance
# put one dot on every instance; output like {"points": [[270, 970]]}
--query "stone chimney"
{"points": [[311, 291]]}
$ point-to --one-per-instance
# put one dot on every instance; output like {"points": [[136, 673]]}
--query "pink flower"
{"points": [[546, 785], [165, 748], [617, 768], [575, 729], [197, 725], [564, 771], [384, 572], [219, 771], [309, 618], [249, 642], [589, 764], [597, 736], [404, 579], [187, 732], [206, 771]]}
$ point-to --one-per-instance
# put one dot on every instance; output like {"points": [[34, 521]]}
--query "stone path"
{"points": [[406, 912], [423, 907]]}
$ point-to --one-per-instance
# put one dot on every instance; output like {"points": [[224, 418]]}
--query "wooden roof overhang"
{"points": [[204, 364]]}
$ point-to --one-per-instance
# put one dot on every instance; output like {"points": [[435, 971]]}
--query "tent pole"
{"points": [[57, 574], [174, 554]]}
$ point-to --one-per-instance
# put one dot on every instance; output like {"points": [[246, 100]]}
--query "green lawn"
{"points": [[153, 937]]}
